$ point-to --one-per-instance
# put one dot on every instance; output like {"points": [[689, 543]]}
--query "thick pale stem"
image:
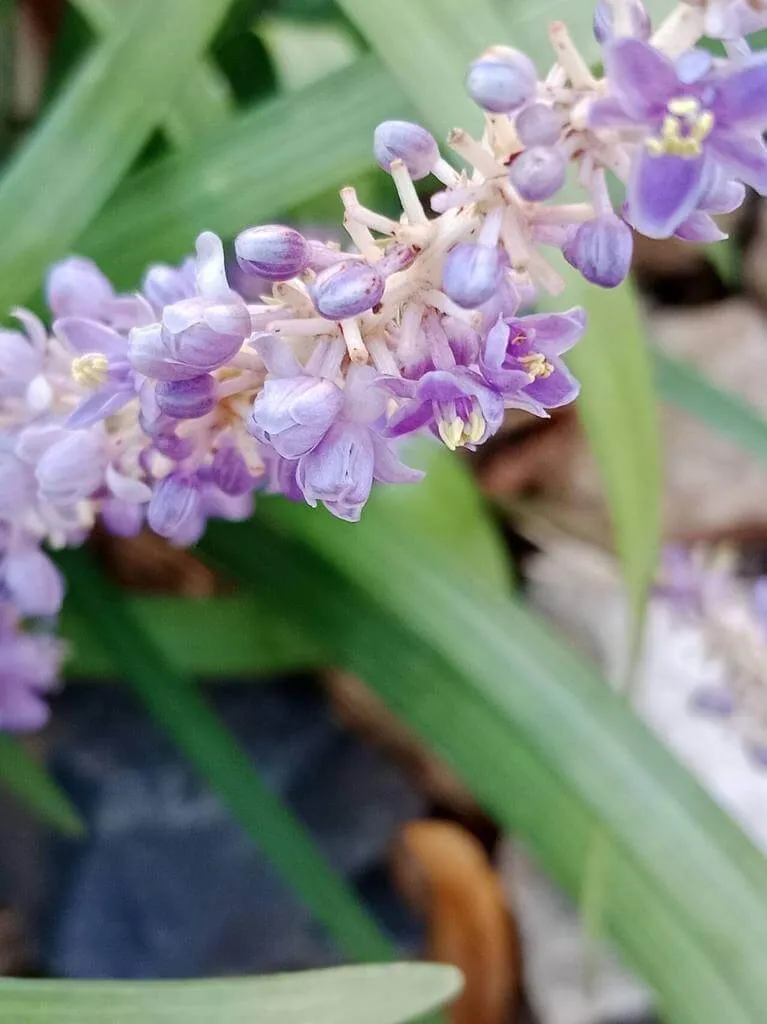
{"points": [[383, 360], [680, 31], [306, 327], [570, 57], [445, 173], [408, 196], [363, 239], [474, 153], [622, 17], [438, 300], [355, 346], [356, 211]]}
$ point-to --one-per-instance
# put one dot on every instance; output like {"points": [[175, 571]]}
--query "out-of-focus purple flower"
{"points": [[682, 580], [538, 125], [29, 667], [538, 173], [297, 405], [122, 518], [17, 481], [472, 273], [693, 117], [101, 365], [347, 289], [733, 19], [32, 581], [72, 468], [175, 509], [502, 80], [76, 287], [272, 251], [604, 28], [408, 142], [22, 363], [229, 472], [163, 285], [339, 471], [601, 249], [199, 334]]}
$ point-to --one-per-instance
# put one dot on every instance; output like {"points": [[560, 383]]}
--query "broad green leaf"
{"points": [[28, 780], [385, 994], [201, 101], [216, 639], [727, 413], [549, 749], [73, 160], [279, 154], [172, 698]]}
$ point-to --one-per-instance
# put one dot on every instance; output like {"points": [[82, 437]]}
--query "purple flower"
{"points": [[698, 123], [175, 510], [72, 468], [408, 142], [601, 248], [272, 251], [340, 470], [29, 667], [297, 405], [22, 363], [347, 288], [76, 287], [122, 518], [101, 365], [195, 335], [163, 285], [32, 581]]}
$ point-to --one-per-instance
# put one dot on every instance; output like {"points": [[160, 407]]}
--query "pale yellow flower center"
{"points": [[537, 365], [456, 432], [90, 370], [684, 128]]}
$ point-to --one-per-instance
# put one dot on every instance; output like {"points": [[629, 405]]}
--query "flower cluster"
{"points": [[177, 403]]}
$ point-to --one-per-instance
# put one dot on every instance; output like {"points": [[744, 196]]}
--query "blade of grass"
{"points": [[275, 156], [178, 706], [27, 779], [201, 101], [383, 994], [92, 133]]}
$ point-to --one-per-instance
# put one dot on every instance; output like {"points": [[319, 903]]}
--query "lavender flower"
{"points": [[501, 80], [693, 117], [32, 581], [601, 249], [410, 143], [347, 289], [272, 251], [29, 667], [100, 365]]}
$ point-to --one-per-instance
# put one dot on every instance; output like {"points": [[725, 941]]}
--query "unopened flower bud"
{"points": [[501, 80], [230, 473], [122, 518], [472, 273], [347, 289], [601, 250], [175, 504], [187, 399], [604, 21], [272, 251], [408, 142], [538, 125], [538, 173]]}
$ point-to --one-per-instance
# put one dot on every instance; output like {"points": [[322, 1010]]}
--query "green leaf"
{"points": [[387, 994], [28, 780], [263, 162], [200, 102], [539, 738], [177, 705], [686, 388], [92, 133], [216, 638]]}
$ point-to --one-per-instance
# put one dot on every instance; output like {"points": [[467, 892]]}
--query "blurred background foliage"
{"points": [[161, 118]]}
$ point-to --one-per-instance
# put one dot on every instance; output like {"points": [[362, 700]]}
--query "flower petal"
{"points": [[559, 388], [744, 158], [84, 336], [388, 469], [104, 403], [126, 488], [609, 113], [699, 227], [641, 78], [555, 333], [409, 418], [662, 192], [741, 98]]}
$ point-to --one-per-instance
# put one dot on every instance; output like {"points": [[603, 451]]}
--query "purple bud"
{"points": [[472, 274], [538, 173], [601, 249], [538, 125], [76, 287], [122, 518], [33, 582], [172, 446], [174, 506], [604, 24], [408, 142], [347, 289], [164, 284], [502, 80], [72, 468], [187, 399], [272, 251], [229, 472]]}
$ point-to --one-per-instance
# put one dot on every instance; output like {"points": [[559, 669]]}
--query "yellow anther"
{"points": [[475, 428], [654, 147], [684, 106], [90, 370], [537, 365], [670, 128], [703, 125], [451, 432]]}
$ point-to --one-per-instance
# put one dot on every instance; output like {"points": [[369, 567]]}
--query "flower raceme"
{"points": [[180, 402]]}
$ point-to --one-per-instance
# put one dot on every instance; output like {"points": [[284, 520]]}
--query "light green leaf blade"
{"points": [[179, 708], [216, 639], [277, 155], [387, 994], [727, 413], [27, 779], [201, 101], [75, 158]]}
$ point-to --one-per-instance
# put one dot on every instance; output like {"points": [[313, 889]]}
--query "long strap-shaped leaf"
{"points": [[81, 150], [27, 779], [383, 994], [177, 705], [544, 744], [275, 156]]}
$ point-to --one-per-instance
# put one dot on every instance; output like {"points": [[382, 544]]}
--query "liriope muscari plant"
{"points": [[180, 402]]}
